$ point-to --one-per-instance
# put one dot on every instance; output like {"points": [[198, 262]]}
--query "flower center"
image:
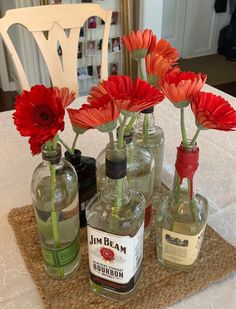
{"points": [[43, 116]]}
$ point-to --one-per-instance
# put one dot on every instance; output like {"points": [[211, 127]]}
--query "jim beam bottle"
{"points": [[115, 218], [140, 174]]}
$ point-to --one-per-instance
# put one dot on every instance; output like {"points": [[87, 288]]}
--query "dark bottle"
{"points": [[86, 171]]}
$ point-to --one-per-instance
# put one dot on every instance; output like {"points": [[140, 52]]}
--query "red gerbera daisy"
{"points": [[139, 43], [178, 87], [213, 112], [39, 114], [132, 96]]}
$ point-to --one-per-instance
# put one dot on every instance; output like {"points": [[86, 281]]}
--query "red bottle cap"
{"points": [[186, 164]]}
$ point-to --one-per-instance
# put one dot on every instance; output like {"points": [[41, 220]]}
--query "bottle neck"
{"points": [[146, 122], [116, 161], [74, 159], [52, 157], [186, 166], [116, 169]]}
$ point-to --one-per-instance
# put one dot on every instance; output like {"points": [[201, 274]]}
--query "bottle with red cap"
{"points": [[181, 218]]}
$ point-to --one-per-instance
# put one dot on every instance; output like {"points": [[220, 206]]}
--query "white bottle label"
{"points": [[115, 261], [179, 248]]}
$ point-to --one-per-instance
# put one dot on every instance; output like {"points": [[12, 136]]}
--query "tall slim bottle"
{"points": [[115, 227], [151, 137], [140, 175], [54, 190]]}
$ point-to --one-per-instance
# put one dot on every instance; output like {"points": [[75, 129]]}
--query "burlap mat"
{"points": [[158, 286]]}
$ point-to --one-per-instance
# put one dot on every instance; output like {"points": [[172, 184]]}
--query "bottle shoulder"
{"points": [[103, 214], [64, 174], [155, 137]]}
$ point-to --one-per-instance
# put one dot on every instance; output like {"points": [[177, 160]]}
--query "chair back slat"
{"points": [[51, 26]]}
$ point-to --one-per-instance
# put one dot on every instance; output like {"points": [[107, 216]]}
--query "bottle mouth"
{"points": [[52, 156], [148, 110], [128, 136], [188, 147], [75, 158], [114, 153]]}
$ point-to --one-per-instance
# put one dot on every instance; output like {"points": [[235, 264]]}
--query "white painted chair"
{"points": [[54, 19]]}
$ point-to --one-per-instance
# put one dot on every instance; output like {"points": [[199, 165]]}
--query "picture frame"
{"points": [[114, 68], [98, 71], [92, 22], [80, 51], [82, 71], [114, 18], [90, 70], [91, 48], [115, 45]]}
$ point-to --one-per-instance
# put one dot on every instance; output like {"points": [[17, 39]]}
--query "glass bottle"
{"points": [[86, 172], [140, 175], [151, 137], [115, 226], [182, 216], [54, 190]]}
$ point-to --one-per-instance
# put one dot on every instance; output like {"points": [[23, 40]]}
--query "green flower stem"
{"points": [[119, 182], [111, 137], [66, 146], [182, 125], [74, 142], [54, 214], [176, 204], [191, 204], [140, 69], [193, 141], [131, 123], [145, 129], [120, 119], [121, 133]]}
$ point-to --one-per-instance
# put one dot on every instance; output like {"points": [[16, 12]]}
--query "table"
{"points": [[216, 181]]}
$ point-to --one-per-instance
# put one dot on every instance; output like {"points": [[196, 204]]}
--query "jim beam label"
{"points": [[115, 261], [179, 248]]}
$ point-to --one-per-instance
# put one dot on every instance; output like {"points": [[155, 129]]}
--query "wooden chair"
{"points": [[47, 25]]}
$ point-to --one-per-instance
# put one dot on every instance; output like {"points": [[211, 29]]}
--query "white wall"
{"points": [[192, 26], [202, 28], [151, 15]]}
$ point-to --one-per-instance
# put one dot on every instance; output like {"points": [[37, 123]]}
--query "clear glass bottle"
{"points": [[115, 226], [140, 175], [86, 172], [182, 216], [54, 190], [151, 137]]}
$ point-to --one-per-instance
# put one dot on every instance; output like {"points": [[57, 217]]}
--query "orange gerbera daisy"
{"points": [[156, 67], [132, 96], [138, 43], [96, 93], [65, 95], [101, 114], [164, 49], [178, 87], [213, 112]]}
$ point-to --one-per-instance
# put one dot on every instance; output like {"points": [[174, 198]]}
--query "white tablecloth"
{"points": [[217, 181]]}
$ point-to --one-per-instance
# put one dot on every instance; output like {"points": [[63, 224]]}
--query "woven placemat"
{"points": [[158, 285]]}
